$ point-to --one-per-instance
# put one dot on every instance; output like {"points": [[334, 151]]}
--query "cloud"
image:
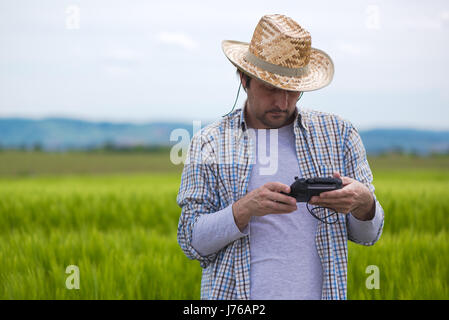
{"points": [[125, 54], [178, 39], [424, 22], [120, 61], [117, 71], [445, 15], [350, 49]]}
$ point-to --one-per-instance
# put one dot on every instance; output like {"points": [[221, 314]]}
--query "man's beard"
{"points": [[274, 122]]}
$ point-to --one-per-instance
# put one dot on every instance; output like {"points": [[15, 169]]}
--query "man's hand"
{"points": [[354, 197], [261, 201]]}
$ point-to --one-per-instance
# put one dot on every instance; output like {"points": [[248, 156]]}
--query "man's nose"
{"points": [[282, 99]]}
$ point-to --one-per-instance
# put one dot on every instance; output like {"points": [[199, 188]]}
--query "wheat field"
{"points": [[119, 229]]}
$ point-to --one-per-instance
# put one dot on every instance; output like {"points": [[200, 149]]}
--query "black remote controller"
{"points": [[304, 189]]}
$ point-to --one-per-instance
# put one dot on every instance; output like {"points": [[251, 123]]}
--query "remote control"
{"points": [[304, 189]]}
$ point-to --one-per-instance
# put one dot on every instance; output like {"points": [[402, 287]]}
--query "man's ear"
{"points": [[243, 81]]}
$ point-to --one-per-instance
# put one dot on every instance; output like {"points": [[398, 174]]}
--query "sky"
{"points": [[144, 61]]}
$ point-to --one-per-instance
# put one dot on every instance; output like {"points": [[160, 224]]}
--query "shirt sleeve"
{"points": [[212, 232], [196, 196], [365, 231], [356, 166]]}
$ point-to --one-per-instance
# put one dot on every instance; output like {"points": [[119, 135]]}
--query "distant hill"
{"points": [[62, 134], [58, 134], [405, 140]]}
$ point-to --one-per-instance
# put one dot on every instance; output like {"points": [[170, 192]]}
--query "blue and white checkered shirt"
{"points": [[216, 174]]}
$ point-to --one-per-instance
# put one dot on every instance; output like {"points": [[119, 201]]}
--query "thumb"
{"points": [[344, 180], [277, 187]]}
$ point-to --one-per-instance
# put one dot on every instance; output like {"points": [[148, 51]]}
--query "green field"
{"points": [[115, 217]]}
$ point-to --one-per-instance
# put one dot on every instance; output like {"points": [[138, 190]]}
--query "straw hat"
{"points": [[280, 54]]}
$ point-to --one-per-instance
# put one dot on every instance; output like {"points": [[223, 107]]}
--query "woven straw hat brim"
{"points": [[319, 74]]}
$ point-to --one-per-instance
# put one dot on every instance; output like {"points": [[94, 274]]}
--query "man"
{"points": [[252, 241]]}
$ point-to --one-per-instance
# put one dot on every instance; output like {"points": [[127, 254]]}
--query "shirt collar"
{"points": [[242, 118], [300, 118]]}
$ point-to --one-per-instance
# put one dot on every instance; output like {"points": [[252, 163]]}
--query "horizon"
{"points": [[184, 122]]}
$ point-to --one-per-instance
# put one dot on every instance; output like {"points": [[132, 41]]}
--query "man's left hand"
{"points": [[354, 197]]}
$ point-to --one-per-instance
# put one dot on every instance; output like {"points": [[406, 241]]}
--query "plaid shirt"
{"points": [[216, 174]]}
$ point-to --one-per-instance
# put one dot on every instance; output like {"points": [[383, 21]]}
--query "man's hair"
{"points": [[247, 77]]}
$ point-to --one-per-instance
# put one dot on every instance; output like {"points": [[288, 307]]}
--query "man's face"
{"points": [[269, 107]]}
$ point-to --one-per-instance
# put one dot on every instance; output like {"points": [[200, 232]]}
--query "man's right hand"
{"points": [[262, 201]]}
